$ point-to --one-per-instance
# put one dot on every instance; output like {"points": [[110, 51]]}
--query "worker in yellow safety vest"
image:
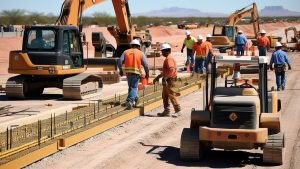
{"points": [[189, 42], [133, 60]]}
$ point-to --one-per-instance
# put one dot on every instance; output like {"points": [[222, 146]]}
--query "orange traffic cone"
{"points": [[143, 82], [252, 51], [247, 51]]}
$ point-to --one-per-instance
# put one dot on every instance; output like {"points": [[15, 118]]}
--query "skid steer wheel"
{"points": [[273, 149], [194, 124], [191, 149]]}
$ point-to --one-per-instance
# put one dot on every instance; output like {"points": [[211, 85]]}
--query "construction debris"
{"points": [[109, 77], [154, 51]]}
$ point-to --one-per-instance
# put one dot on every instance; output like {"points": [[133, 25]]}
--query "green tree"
{"points": [[13, 17]]}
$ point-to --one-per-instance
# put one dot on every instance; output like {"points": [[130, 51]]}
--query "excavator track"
{"points": [[82, 86], [273, 149], [21, 87]]}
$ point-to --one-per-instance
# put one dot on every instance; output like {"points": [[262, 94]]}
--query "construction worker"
{"points": [[240, 42], [279, 59], [210, 52], [188, 42], [263, 43], [200, 50], [133, 60], [169, 77], [39, 41]]}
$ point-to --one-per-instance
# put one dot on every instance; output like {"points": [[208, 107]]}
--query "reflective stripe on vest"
{"points": [[133, 59]]}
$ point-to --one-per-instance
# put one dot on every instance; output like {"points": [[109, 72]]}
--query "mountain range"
{"points": [[185, 12]]}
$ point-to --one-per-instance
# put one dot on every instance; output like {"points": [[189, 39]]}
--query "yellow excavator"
{"points": [[294, 43], [52, 56], [223, 36]]}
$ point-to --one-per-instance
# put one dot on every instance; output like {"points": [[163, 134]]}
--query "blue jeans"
{"points": [[280, 79], [240, 50], [189, 58], [262, 51], [133, 81], [199, 66]]}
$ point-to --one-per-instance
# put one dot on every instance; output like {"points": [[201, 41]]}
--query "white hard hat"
{"points": [[263, 31], [164, 46], [199, 37], [278, 44], [187, 33], [208, 36], [135, 42], [240, 31]]}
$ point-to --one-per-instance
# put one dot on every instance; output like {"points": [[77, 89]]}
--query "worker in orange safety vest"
{"points": [[133, 60], [263, 43], [199, 50]]}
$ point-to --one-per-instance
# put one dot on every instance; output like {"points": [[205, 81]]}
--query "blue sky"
{"points": [[140, 6]]}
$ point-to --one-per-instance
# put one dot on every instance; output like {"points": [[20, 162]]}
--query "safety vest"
{"points": [[133, 59]]}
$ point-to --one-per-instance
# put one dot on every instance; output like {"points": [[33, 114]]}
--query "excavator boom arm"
{"points": [[235, 17], [71, 11], [122, 14]]}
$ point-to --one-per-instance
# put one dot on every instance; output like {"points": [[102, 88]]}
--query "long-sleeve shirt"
{"points": [[144, 62], [263, 41], [240, 39], [279, 57]]}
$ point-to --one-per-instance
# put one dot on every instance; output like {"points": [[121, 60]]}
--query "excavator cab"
{"points": [[223, 37], [229, 31], [48, 45]]}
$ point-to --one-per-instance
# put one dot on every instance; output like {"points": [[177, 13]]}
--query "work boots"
{"points": [[129, 106], [137, 102], [165, 113], [176, 113]]}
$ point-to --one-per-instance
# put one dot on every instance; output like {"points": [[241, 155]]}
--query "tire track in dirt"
{"points": [[294, 161]]}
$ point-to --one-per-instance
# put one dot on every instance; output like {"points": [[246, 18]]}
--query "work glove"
{"points": [[121, 73], [155, 80]]}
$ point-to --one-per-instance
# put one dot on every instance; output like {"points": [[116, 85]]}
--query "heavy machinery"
{"points": [[52, 56], [186, 25], [294, 43], [223, 36], [240, 116], [71, 14]]}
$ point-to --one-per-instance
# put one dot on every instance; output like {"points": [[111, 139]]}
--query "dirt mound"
{"points": [[163, 31], [175, 36], [268, 27]]}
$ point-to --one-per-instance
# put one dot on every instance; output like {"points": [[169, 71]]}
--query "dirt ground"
{"points": [[153, 142]]}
